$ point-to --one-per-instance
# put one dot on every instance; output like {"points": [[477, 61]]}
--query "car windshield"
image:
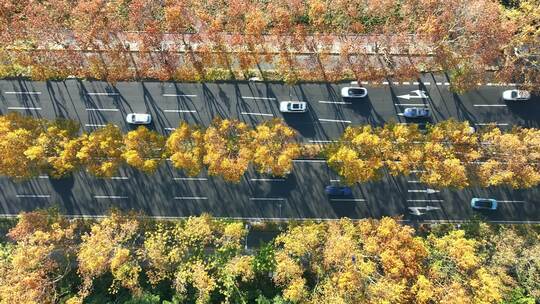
{"points": [[295, 106], [356, 91], [514, 94], [483, 204]]}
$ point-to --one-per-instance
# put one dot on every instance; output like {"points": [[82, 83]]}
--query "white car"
{"points": [[353, 92], [293, 106], [138, 118], [516, 95]]}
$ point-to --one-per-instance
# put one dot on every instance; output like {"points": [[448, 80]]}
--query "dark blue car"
{"points": [[338, 190]]}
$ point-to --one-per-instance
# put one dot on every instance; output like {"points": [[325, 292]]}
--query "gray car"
{"points": [[416, 112]]}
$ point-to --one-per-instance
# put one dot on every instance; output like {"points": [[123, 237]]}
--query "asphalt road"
{"points": [[301, 195]]}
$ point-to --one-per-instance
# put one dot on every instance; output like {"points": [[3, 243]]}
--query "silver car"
{"points": [[293, 106], [138, 118], [353, 92], [416, 113], [516, 95]]}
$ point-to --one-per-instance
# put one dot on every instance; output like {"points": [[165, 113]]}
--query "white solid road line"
{"points": [[119, 177], [267, 179], [191, 178], [110, 196], [266, 199], [256, 114], [425, 201], [423, 105], [179, 95], [491, 123], [23, 93], [309, 160], [43, 177], [179, 111], [347, 200], [94, 125], [101, 94], [33, 195], [489, 105], [511, 201], [103, 109], [255, 97], [24, 108], [335, 102], [334, 120], [170, 129], [190, 198], [321, 141]]}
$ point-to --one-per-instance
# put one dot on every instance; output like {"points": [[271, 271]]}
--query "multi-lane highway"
{"points": [[169, 192]]}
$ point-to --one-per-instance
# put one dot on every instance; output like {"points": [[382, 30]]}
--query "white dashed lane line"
{"points": [[489, 105], [266, 199], [256, 97], [256, 114], [33, 195], [267, 179], [94, 125], [347, 200], [335, 102], [101, 94], [109, 197], [190, 198], [334, 120], [103, 109], [24, 108], [179, 95], [191, 178], [22, 93], [491, 123], [180, 111]]}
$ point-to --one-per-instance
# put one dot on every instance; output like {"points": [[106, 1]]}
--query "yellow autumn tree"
{"points": [[186, 149], [274, 147], [33, 266], [143, 149], [227, 145], [401, 148], [511, 158], [101, 150], [357, 157], [17, 135], [109, 246]]}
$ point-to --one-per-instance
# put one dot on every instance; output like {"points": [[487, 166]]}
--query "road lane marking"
{"points": [[267, 179], [412, 104], [406, 83], [266, 199], [256, 97], [43, 176], [191, 178], [418, 171], [309, 160], [335, 180], [428, 191], [101, 94], [179, 95], [110, 196], [416, 83], [321, 141], [414, 182], [425, 201], [335, 102], [385, 82], [94, 125], [489, 105], [256, 114], [511, 201], [347, 200], [447, 83], [179, 111], [33, 195], [427, 83], [334, 120], [491, 123], [22, 93], [24, 108], [438, 83], [190, 198], [103, 109], [119, 177]]}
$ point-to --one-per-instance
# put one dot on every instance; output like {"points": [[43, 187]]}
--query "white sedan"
{"points": [[516, 95], [293, 106], [353, 92], [138, 118]]}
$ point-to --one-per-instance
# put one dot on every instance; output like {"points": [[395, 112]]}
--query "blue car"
{"points": [[416, 113], [338, 190], [484, 203]]}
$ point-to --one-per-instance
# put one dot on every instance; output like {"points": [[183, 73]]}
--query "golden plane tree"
{"points": [[144, 149], [228, 148], [101, 151], [185, 146], [274, 147]]}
